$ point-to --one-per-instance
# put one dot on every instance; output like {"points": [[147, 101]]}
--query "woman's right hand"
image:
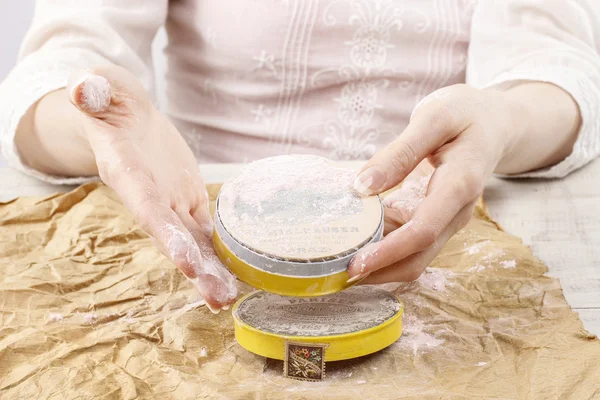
{"points": [[142, 156]]}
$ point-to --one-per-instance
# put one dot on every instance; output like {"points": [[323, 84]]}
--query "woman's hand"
{"points": [[142, 156], [465, 133]]}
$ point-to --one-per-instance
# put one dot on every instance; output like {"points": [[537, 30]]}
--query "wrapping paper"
{"points": [[90, 309]]}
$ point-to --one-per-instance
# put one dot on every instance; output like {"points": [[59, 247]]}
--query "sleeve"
{"points": [[71, 34], [553, 41]]}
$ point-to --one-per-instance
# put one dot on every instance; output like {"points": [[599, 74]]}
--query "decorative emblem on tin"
{"points": [[304, 361]]}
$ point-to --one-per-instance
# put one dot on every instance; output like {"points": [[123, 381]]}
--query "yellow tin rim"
{"points": [[339, 347], [280, 284]]}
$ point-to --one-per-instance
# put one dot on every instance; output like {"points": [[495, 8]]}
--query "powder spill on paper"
{"points": [[477, 247], [129, 318], [203, 352], [55, 317], [414, 336], [481, 364], [508, 263], [435, 279], [489, 258], [90, 318]]}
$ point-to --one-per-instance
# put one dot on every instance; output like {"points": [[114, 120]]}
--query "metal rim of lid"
{"points": [[290, 268]]}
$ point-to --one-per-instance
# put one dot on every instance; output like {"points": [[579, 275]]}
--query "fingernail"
{"points": [[95, 91], [356, 278], [370, 180], [213, 310]]}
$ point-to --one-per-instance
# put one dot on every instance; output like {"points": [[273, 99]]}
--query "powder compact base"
{"points": [[289, 225]]}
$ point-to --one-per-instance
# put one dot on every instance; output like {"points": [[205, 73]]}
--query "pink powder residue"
{"points": [[477, 247], [435, 279], [477, 268], [508, 263], [55, 317], [415, 338], [409, 196], [90, 318], [312, 187]]}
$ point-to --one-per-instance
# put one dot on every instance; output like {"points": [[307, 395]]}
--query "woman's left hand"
{"points": [[464, 133]]}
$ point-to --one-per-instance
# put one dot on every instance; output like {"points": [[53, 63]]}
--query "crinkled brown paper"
{"points": [[90, 309]]}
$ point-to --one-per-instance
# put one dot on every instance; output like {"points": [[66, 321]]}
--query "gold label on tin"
{"points": [[353, 310], [304, 361]]}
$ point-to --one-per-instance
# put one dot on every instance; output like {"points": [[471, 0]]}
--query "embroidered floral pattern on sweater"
{"points": [[351, 136]]}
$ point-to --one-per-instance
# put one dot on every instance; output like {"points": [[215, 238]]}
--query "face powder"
{"points": [[306, 332], [291, 224]]}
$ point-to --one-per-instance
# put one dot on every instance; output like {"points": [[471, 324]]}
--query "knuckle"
{"points": [[148, 212], [143, 213], [412, 274], [427, 235], [403, 157], [442, 118], [471, 186]]}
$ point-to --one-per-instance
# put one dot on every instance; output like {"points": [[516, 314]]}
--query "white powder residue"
{"points": [[435, 279], [477, 247], [205, 263], [489, 257], [481, 364], [415, 338], [408, 197], [311, 189], [295, 206], [55, 317], [203, 352], [90, 318], [129, 318], [368, 252], [193, 305], [95, 91], [476, 268]]}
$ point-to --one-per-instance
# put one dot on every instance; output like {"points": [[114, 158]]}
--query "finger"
{"points": [[430, 127], [446, 196], [217, 282], [89, 92], [201, 212], [140, 195], [413, 266], [406, 270], [393, 219], [401, 204]]}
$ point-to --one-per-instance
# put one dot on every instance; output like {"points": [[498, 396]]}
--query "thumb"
{"points": [[89, 92]]}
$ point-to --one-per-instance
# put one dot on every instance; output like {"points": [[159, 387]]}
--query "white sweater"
{"points": [[253, 78]]}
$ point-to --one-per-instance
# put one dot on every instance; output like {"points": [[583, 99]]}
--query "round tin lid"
{"points": [[298, 208], [352, 323]]}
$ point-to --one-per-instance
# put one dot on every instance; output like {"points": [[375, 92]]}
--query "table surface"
{"points": [[559, 219]]}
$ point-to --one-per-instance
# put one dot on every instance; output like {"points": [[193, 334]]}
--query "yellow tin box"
{"points": [[307, 332], [291, 224]]}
